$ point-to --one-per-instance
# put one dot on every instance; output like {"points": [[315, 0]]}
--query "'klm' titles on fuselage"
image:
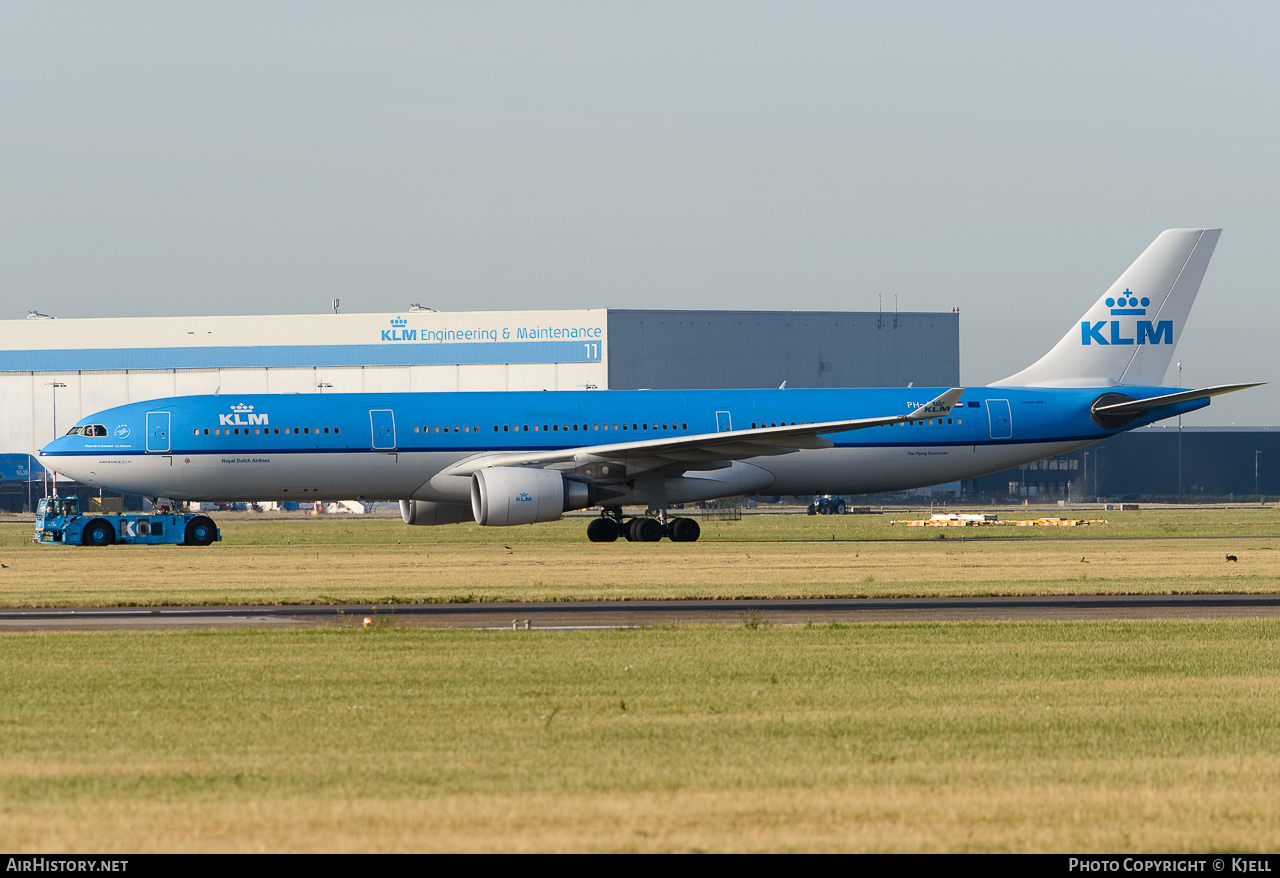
{"points": [[237, 420], [1148, 333]]}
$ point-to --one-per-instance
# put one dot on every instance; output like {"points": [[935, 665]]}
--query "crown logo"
{"points": [[399, 322], [1128, 304], [241, 407]]}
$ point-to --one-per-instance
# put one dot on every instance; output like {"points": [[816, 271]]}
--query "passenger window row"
{"points": [[588, 428], [100, 430], [264, 431], [916, 423]]}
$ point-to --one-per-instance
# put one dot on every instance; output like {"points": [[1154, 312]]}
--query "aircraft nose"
{"points": [[59, 449], [55, 456]]}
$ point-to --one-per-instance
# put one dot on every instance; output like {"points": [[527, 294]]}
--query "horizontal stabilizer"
{"points": [[1138, 407]]}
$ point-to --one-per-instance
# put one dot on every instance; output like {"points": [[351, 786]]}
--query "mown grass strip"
{"points": [[351, 560], [962, 736]]}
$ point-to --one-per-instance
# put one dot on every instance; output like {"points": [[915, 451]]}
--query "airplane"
{"points": [[511, 458]]}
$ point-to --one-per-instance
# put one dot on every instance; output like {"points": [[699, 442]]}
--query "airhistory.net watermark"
{"points": [[64, 864]]}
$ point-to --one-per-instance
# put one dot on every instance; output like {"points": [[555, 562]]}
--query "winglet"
{"points": [[938, 406]]}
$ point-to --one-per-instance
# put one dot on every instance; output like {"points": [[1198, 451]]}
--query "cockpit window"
{"points": [[74, 431], [88, 430]]}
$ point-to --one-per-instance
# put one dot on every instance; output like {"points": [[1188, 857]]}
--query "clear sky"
{"points": [[1008, 159]]}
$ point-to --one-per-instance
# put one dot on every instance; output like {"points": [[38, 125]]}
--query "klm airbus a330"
{"points": [[517, 458]]}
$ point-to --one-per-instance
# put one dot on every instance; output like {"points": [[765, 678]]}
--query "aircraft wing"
{"points": [[1138, 407], [649, 454]]}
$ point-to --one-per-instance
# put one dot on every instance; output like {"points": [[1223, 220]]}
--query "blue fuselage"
{"points": [[390, 446]]}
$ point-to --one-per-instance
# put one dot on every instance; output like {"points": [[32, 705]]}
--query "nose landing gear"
{"points": [[611, 525]]}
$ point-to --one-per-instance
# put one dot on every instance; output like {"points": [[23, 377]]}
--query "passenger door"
{"points": [[1000, 419], [383, 424], [158, 431]]}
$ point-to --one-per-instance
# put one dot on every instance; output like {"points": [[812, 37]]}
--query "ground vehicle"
{"points": [[828, 505], [58, 520]]}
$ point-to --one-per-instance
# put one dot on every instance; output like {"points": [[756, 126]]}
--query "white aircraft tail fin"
{"points": [[1129, 335]]}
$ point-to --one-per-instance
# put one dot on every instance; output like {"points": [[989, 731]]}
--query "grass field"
{"points": [[1089, 736], [1103, 736], [357, 560]]}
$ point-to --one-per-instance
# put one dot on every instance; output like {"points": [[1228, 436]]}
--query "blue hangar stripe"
{"points": [[264, 356]]}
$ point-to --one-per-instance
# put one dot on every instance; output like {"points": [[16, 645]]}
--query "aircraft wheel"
{"points": [[98, 533], [644, 530], [685, 530], [201, 531], [602, 530]]}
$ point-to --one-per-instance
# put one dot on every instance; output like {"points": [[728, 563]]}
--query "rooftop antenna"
{"points": [[335, 306]]}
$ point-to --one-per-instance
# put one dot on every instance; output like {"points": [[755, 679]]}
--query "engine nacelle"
{"points": [[424, 512], [505, 495]]}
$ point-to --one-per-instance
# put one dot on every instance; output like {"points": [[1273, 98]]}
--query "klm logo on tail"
{"points": [[1128, 304]]}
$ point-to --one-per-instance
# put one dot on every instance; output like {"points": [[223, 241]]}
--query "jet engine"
{"points": [[424, 512], [507, 495]]}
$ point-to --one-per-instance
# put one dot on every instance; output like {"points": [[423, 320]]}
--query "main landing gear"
{"points": [[611, 525]]}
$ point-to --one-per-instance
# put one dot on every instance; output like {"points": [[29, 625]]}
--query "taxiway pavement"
{"points": [[619, 614]]}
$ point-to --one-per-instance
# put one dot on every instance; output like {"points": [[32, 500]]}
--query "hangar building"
{"points": [[69, 368], [1157, 463]]}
